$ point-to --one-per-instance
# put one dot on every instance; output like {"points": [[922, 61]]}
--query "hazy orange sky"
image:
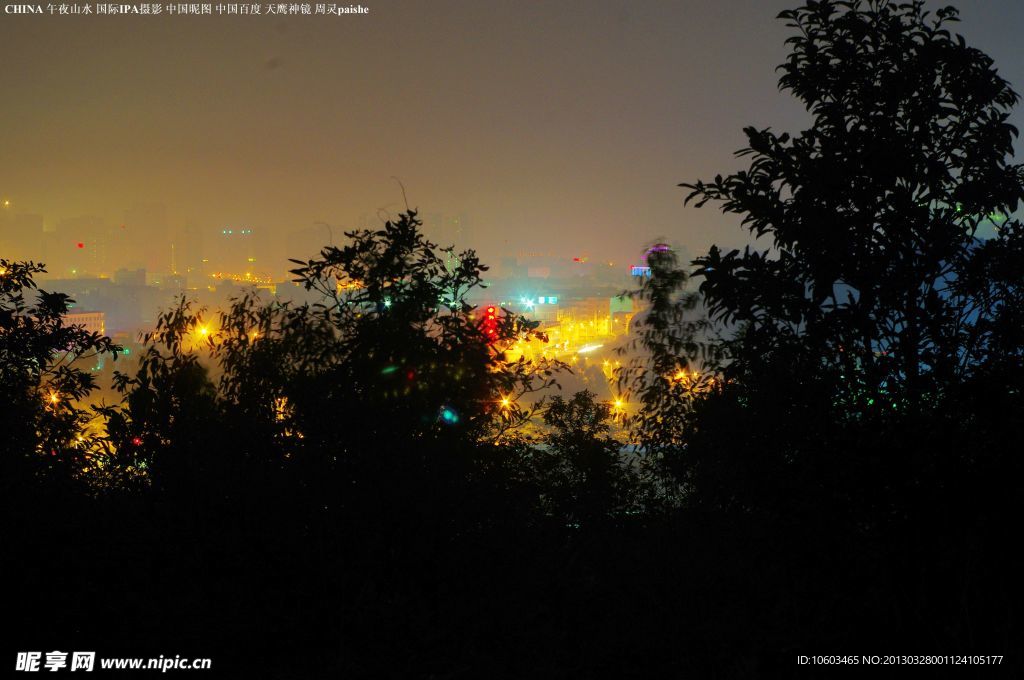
{"points": [[562, 126]]}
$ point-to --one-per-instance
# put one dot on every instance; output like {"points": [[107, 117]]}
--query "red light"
{"points": [[490, 310], [81, 245], [137, 441]]}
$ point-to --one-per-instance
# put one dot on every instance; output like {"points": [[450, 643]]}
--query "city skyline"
{"points": [[560, 128]]}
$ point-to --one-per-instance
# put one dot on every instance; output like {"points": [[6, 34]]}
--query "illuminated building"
{"points": [[234, 251], [91, 321]]}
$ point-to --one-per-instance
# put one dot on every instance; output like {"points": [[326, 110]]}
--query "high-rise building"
{"points": [[448, 230], [233, 251], [144, 238], [80, 247]]}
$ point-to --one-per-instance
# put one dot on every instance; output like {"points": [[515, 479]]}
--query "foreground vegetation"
{"points": [[352, 495]]}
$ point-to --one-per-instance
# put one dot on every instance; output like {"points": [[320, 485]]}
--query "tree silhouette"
{"points": [[43, 379], [870, 335], [828, 430], [872, 213], [867, 303]]}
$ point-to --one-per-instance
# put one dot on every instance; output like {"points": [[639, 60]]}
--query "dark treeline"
{"points": [[826, 449]]}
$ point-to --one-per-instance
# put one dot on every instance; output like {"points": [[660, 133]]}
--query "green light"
{"points": [[388, 370]]}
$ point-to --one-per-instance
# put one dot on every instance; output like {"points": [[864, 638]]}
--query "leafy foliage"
{"points": [[43, 377], [872, 213]]}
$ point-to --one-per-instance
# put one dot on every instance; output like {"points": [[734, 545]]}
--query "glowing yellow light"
{"points": [[54, 398], [281, 408]]}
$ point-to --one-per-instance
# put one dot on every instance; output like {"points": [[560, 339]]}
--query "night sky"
{"points": [[556, 126]]}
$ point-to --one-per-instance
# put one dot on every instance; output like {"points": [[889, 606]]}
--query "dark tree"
{"points": [[872, 214], [585, 478], [866, 408], [44, 378]]}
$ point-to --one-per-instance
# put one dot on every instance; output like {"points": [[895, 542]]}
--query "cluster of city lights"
{"points": [[248, 277]]}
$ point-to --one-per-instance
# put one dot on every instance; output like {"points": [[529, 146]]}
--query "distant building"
{"points": [[187, 250], [79, 247], [233, 251], [130, 277], [92, 322], [448, 230], [144, 237]]}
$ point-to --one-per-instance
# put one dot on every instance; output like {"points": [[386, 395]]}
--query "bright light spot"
{"points": [[281, 409], [588, 348], [54, 398]]}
